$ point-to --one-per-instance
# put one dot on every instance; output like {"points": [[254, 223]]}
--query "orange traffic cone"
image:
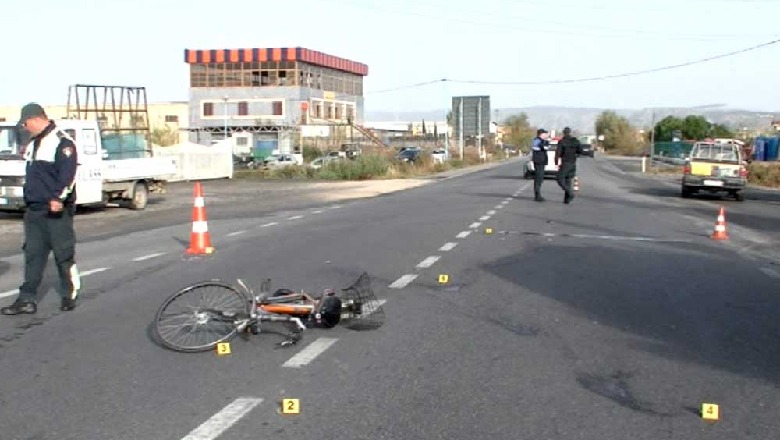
{"points": [[576, 183], [720, 226], [200, 240]]}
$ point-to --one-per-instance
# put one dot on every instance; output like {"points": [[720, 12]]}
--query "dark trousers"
{"points": [[565, 177], [44, 233], [538, 179]]}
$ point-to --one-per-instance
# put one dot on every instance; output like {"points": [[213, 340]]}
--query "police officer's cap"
{"points": [[31, 110], [541, 131]]}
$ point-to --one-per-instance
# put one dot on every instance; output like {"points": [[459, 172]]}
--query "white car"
{"points": [[439, 156], [280, 160], [550, 169], [324, 160]]}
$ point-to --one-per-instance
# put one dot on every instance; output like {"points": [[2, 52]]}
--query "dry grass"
{"points": [[764, 174], [376, 165]]}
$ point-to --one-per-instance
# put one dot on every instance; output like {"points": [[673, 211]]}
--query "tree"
{"points": [[520, 133], [693, 127], [619, 135], [165, 137], [665, 128], [721, 131]]}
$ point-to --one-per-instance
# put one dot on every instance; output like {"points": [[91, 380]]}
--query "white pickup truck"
{"points": [[98, 181]]}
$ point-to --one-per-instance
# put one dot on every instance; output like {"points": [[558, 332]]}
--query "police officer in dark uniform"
{"points": [[539, 147], [566, 154], [49, 193]]}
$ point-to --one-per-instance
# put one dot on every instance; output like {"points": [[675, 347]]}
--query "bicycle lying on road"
{"points": [[202, 315]]}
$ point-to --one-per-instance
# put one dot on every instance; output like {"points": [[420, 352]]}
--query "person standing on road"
{"points": [[566, 154], [539, 147], [49, 195]]}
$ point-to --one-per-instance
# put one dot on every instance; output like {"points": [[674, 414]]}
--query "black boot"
{"points": [[20, 307]]}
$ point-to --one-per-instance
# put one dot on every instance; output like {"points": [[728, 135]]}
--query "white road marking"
{"points": [[336, 207], [448, 247], [475, 225], [770, 272], [507, 200], [402, 282], [485, 218], [464, 234], [428, 262], [505, 203], [9, 293], [233, 234], [147, 257], [319, 211], [500, 207], [221, 421], [372, 308], [295, 217], [94, 271], [308, 354], [269, 224], [491, 213], [83, 274]]}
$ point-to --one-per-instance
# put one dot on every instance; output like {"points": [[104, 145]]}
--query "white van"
{"points": [[98, 181]]}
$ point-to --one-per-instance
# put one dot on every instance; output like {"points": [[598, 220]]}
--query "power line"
{"points": [[578, 80]]}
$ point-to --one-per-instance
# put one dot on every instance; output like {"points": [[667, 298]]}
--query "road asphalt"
{"points": [[613, 317]]}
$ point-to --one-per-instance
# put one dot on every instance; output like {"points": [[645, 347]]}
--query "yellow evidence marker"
{"points": [[710, 411], [488, 231], [223, 349], [444, 279], [291, 406]]}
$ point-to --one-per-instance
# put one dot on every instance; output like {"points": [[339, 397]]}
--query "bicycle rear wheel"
{"points": [[200, 316]]}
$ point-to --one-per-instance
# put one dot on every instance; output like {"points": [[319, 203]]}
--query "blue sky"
{"points": [[53, 44]]}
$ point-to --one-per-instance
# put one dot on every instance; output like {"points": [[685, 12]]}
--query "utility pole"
{"points": [[460, 129], [447, 104], [479, 127], [652, 138]]}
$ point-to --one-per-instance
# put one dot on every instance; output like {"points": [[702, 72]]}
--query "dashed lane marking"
{"points": [[269, 225], [448, 247], [491, 213], [295, 217], [147, 257], [428, 262], [770, 272], [475, 225], [484, 218], [464, 234], [224, 419], [402, 282], [83, 274], [236, 233], [308, 354]]}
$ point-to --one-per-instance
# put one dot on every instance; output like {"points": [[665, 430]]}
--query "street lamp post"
{"points": [[226, 117]]}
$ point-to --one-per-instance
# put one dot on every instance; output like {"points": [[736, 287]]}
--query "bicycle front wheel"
{"points": [[200, 316]]}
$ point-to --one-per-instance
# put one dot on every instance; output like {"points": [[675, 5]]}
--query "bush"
{"points": [[362, 168], [765, 174], [290, 172]]}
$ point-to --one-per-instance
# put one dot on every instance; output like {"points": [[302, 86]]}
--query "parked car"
{"points": [[550, 169], [439, 156], [409, 155], [280, 160], [324, 160]]}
